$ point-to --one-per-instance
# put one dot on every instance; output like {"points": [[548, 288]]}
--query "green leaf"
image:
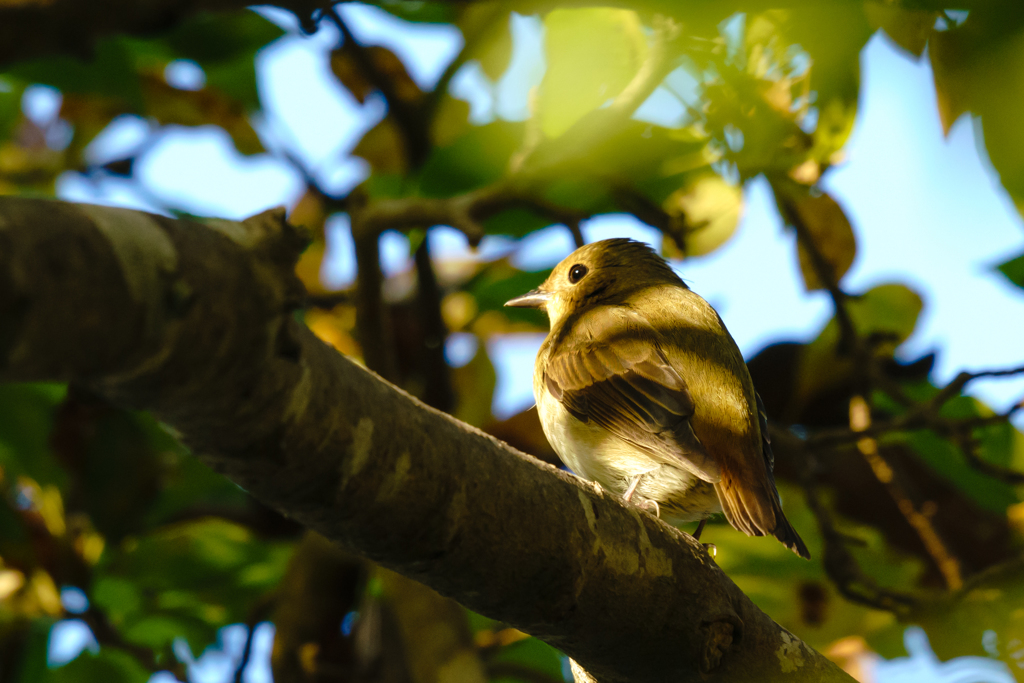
{"points": [[592, 54], [109, 665], [205, 573], [530, 653], [501, 282], [910, 29], [488, 35], [974, 65], [887, 314], [160, 631], [120, 598], [515, 223], [824, 222], [945, 459], [477, 158], [222, 37], [833, 35], [705, 213], [26, 422], [111, 72], [10, 105], [778, 581], [1013, 270], [225, 46], [887, 310]]}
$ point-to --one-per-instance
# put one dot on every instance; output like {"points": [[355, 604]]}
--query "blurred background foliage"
{"points": [[908, 491]]}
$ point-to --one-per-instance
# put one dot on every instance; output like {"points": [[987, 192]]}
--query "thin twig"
{"points": [[839, 563], [438, 391], [408, 115], [849, 340], [372, 324], [898, 488], [243, 662], [258, 613], [955, 387], [908, 422]]}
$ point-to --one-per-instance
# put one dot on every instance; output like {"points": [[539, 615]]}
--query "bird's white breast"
{"points": [[591, 451], [595, 454]]}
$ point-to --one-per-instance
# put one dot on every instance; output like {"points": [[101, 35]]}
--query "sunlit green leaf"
{"points": [[706, 212], [910, 29], [945, 459], [486, 29], [205, 574], [974, 63], [477, 158], [592, 54], [529, 653], [887, 310], [818, 218], [783, 584]]}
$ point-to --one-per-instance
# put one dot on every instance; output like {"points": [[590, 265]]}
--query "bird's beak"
{"points": [[534, 299]]}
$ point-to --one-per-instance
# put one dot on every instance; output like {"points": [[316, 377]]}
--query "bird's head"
{"points": [[605, 272]]}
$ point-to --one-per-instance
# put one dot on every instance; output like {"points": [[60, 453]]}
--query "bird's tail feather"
{"points": [[756, 511]]}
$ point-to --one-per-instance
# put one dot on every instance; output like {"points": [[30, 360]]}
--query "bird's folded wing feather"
{"points": [[627, 386]]}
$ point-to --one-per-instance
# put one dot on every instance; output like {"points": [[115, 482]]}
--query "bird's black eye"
{"points": [[577, 272]]}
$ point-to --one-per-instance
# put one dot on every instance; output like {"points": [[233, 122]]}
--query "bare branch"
{"points": [[408, 115], [840, 564], [464, 212], [438, 391], [372, 324], [899, 489], [850, 340], [955, 387]]}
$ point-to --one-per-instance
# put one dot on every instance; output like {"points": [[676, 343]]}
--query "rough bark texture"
{"points": [[195, 323]]}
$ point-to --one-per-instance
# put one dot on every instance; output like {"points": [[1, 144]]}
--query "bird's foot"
{"points": [[711, 548], [632, 488], [650, 506]]}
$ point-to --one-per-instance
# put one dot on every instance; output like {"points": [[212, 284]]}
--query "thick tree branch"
{"points": [[465, 212], [195, 324]]}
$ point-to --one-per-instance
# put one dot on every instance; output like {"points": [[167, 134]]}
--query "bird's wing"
{"points": [[623, 383]]}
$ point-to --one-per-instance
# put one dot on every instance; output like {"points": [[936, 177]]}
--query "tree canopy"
{"points": [[190, 333]]}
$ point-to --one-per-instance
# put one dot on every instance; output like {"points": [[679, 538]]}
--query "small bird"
{"points": [[640, 388]]}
